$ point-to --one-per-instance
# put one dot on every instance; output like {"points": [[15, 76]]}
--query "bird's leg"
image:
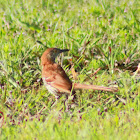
{"points": [[67, 105], [56, 100], [71, 102], [74, 99]]}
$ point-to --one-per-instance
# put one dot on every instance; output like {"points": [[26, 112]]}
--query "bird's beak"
{"points": [[65, 50]]}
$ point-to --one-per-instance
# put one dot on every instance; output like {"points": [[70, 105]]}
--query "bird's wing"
{"points": [[56, 77]]}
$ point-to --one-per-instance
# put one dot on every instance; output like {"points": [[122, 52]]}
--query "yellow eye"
{"points": [[55, 51]]}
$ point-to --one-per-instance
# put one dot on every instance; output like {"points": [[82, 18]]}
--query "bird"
{"points": [[57, 81]]}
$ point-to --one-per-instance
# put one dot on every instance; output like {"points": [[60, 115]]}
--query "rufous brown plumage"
{"points": [[56, 80]]}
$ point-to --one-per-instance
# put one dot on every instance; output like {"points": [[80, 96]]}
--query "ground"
{"points": [[104, 42]]}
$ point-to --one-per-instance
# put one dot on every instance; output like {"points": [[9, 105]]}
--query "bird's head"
{"points": [[51, 53]]}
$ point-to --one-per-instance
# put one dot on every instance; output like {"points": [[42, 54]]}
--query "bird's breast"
{"points": [[50, 88]]}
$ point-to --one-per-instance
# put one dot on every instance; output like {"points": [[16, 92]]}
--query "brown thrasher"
{"points": [[56, 80]]}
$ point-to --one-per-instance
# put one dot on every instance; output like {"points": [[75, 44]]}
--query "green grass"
{"points": [[99, 34]]}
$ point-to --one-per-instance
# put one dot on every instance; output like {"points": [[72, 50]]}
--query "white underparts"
{"points": [[50, 88]]}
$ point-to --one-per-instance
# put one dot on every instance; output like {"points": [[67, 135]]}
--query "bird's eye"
{"points": [[55, 51]]}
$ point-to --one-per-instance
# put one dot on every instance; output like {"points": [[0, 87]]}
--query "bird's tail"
{"points": [[94, 87]]}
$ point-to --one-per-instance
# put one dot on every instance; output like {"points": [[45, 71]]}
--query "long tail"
{"points": [[94, 87]]}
